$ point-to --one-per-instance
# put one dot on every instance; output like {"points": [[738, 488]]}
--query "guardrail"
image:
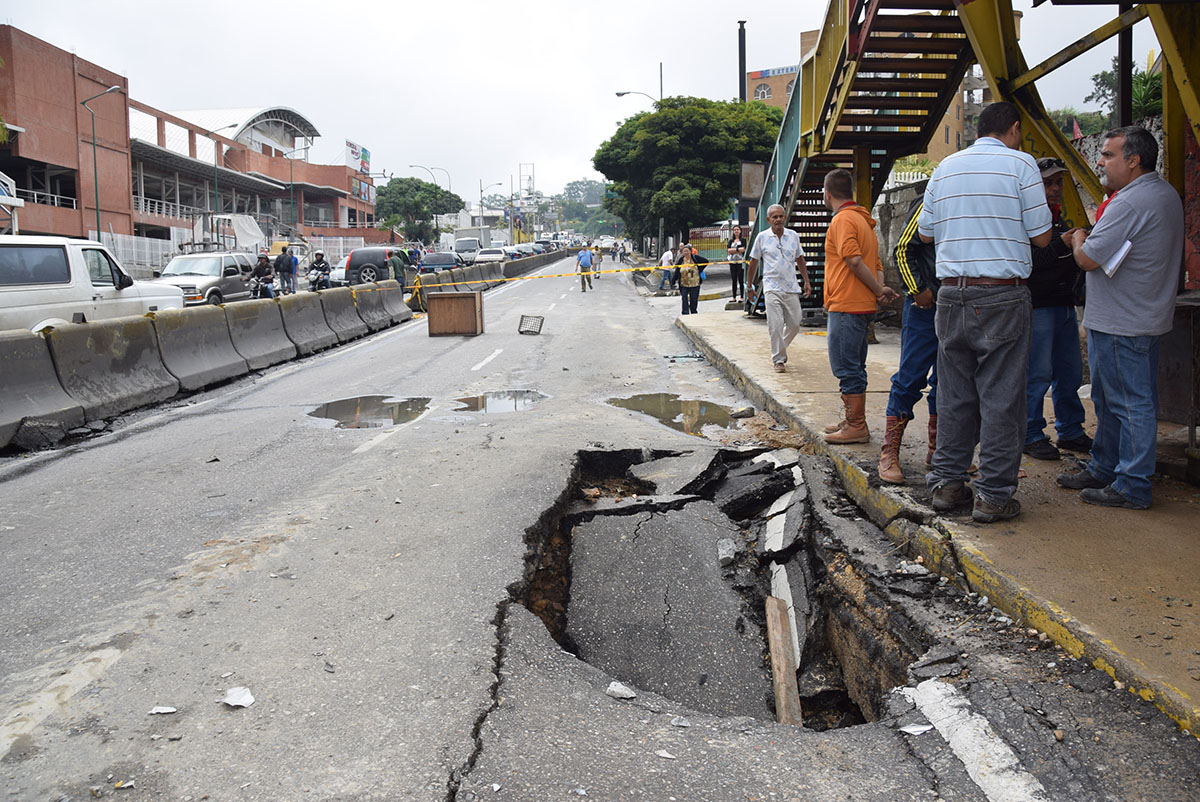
{"points": [[160, 208], [45, 198]]}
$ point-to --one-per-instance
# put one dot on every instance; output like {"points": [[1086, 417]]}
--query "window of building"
{"points": [[958, 140], [762, 92], [791, 83], [947, 135], [957, 112]]}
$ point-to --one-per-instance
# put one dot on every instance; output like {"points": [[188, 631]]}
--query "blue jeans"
{"points": [[918, 360], [666, 274], [1125, 392], [690, 296], [847, 336], [1055, 364]]}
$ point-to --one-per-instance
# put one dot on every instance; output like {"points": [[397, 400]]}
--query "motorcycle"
{"points": [[318, 280]]}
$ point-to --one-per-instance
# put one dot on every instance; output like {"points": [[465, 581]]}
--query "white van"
{"points": [[49, 281]]}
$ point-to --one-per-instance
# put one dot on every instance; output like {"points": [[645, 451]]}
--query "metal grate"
{"points": [[530, 324]]}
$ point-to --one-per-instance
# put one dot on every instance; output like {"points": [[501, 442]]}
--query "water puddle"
{"points": [[371, 411], [498, 401], [687, 415]]}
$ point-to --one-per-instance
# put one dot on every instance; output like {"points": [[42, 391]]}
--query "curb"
{"points": [[921, 532]]}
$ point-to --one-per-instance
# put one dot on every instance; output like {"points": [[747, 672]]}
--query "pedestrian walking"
{"points": [[597, 258], [1133, 259], [666, 269], [918, 348], [983, 208], [395, 264], [737, 255], [583, 261], [779, 250], [689, 283], [283, 269], [1055, 358], [853, 289]]}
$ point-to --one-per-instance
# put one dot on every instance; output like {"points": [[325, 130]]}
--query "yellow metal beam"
{"points": [[1178, 30], [1079, 47], [1174, 130], [863, 188]]}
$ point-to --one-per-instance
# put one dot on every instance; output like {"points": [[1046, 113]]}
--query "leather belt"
{"points": [[983, 281]]}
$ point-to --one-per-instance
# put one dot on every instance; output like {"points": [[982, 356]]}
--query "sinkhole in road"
{"points": [[655, 565], [687, 415], [498, 401], [371, 411]]}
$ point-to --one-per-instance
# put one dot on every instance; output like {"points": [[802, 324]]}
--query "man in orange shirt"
{"points": [[853, 289]]}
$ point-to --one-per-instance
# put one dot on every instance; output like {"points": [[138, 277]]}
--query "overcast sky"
{"points": [[476, 88]]}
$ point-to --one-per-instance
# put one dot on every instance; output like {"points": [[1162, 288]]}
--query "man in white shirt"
{"points": [[779, 250], [666, 269]]}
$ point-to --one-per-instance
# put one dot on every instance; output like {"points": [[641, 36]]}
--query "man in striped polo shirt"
{"points": [[983, 207]]}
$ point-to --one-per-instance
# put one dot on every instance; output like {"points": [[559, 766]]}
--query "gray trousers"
{"points": [[983, 353], [783, 322]]}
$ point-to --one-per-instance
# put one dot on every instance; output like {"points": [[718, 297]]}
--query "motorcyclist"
{"points": [[261, 278], [318, 272]]}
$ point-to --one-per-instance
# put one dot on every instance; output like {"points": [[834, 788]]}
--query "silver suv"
{"points": [[208, 278]]}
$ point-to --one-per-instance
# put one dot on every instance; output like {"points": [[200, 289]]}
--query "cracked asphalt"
{"points": [[359, 583]]}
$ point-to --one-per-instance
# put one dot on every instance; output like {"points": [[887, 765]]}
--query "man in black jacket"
{"points": [[1055, 358], [918, 346]]}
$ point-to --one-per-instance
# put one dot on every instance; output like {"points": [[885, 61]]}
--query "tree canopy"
{"points": [[411, 203], [1147, 93], [585, 190], [681, 162]]}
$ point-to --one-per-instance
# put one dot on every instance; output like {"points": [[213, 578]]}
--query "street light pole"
{"points": [[216, 179], [481, 191], [643, 94], [426, 169], [291, 184], [449, 186], [95, 168]]}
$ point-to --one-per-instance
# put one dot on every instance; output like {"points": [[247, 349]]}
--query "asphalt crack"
{"points": [[455, 780]]}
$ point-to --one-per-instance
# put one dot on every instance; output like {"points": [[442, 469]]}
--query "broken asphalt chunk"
{"points": [[740, 497], [619, 690], [693, 472], [162, 710]]}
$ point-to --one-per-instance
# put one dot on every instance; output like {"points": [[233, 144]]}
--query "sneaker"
{"points": [[950, 495], [1107, 497], [1082, 480], [1081, 444], [987, 513], [1041, 449], [780, 367]]}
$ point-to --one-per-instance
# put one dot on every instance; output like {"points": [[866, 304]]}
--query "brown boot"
{"points": [[932, 440], [836, 427], [855, 430], [889, 457]]}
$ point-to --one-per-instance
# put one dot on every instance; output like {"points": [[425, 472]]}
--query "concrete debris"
{"points": [[694, 472], [912, 569], [780, 458], [740, 497], [663, 753], [744, 412], [781, 504], [916, 729], [726, 551], [619, 690], [162, 710], [680, 721], [238, 697]]}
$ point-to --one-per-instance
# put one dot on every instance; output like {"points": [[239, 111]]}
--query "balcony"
{"points": [[45, 198], [159, 208]]}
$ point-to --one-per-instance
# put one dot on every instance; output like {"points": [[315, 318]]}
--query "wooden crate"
{"points": [[455, 313]]}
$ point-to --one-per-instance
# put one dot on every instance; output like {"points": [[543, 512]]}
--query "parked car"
{"points": [[337, 272], [526, 249], [511, 252], [214, 277], [490, 255], [50, 281], [442, 260], [368, 264]]}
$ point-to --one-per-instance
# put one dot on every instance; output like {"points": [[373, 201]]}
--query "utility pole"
{"points": [[742, 60]]}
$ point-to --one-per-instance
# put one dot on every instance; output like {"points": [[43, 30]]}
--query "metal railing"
{"points": [[165, 208], [45, 198]]}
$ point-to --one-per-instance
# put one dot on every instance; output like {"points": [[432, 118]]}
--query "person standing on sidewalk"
{"points": [[737, 255], [1138, 247], [1055, 358], [583, 261], [853, 288], [666, 270], [918, 347], [984, 206], [779, 250]]}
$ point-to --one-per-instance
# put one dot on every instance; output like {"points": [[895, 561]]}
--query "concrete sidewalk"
{"points": [[1120, 588]]}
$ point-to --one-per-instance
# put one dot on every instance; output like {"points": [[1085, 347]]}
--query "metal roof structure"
{"points": [[245, 119], [148, 151]]}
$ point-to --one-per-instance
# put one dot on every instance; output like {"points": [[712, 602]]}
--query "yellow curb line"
{"points": [[947, 555]]}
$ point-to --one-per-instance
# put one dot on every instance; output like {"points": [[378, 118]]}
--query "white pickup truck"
{"points": [[49, 281]]}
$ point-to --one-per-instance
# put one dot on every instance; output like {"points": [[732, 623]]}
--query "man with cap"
{"points": [[1055, 358]]}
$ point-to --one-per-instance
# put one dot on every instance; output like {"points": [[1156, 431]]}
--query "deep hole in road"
{"points": [[371, 411], [628, 573]]}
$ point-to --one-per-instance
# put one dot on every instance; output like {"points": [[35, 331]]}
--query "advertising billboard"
{"points": [[358, 157]]}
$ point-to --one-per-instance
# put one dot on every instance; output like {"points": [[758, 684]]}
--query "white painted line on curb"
{"points": [[488, 359], [26, 716], [990, 762]]}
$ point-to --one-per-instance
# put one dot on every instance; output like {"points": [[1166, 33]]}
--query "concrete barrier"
{"points": [[196, 346], [35, 411], [474, 275], [256, 328], [304, 322], [369, 301], [393, 301], [497, 273], [111, 366], [341, 314]]}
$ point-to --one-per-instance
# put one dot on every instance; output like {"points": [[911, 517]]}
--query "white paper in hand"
{"points": [[1112, 264]]}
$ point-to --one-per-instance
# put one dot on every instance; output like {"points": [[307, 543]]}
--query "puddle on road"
{"points": [[371, 411], [687, 415], [497, 401]]}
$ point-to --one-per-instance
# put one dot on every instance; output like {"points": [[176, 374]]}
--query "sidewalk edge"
{"points": [[933, 538]]}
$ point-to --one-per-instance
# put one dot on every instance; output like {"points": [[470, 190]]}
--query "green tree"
{"points": [[1147, 93], [916, 163], [681, 161], [1090, 122], [586, 191], [410, 204]]}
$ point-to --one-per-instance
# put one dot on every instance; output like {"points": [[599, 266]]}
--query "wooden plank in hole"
{"points": [[783, 667]]}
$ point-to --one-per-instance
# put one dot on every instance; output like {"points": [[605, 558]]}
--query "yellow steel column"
{"points": [[862, 177], [1174, 129]]}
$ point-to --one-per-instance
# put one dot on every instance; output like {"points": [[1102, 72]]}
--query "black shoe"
{"points": [[1081, 444], [986, 513], [1082, 480], [1041, 449], [1107, 497], [951, 495]]}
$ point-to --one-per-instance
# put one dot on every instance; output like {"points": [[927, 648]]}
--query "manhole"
{"points": [[371, 411], [687, 415], [497, 401]]}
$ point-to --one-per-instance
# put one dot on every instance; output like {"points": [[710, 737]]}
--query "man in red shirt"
{"points": [[853, 289]]}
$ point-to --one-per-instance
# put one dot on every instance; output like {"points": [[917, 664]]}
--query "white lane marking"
{"points": [[379, 438], [488, 359], [551, 306], [781, 588], [990, 762], [564, 295], [26, 716]]}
